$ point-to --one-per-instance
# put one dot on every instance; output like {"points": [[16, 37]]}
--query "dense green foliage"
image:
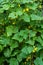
{"points": [[21, 32]]}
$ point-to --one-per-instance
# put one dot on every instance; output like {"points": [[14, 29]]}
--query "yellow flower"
{"points": [[32, 64], [35, 49], [14, 23], [24, 62], [40, 6], [18, 5], [28, 58], [29, 27], [27, 9]]}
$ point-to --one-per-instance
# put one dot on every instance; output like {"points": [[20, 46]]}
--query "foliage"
{"points": [[21, 32]]}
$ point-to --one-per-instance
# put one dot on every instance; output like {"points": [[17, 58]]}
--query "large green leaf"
{"points": [[13, 61], [13, 45], [27, 50], [30, 42], [6, 6], [36, 17], [32, 33], [21, 56], [9, 30], [40, 40], [18, 37], [26, 17], [24, 33], [7, 52], [5, 41], [38, 61], [12, 15]]}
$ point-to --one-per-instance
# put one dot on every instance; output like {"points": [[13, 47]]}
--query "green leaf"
{"points": [[1, 1], [23, 1], [6, 6], [15, 29], [1, 10], [32, 6], [27, 50], [38, 61], [12, 15], [26, 17], [17, 37], [26, 1], [42, 35], [41, 54], [32, 33], [1, 60], [15, 52], [1, 48], [30, 49], [9, 30], [19, 13], [13, 61], [39, 47], [7, 52], [40, 40], [41, 25], [31, 42], [35, 17], [4, 41], [13, 45], [24, 33], [24, 50], [21, 56]]}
